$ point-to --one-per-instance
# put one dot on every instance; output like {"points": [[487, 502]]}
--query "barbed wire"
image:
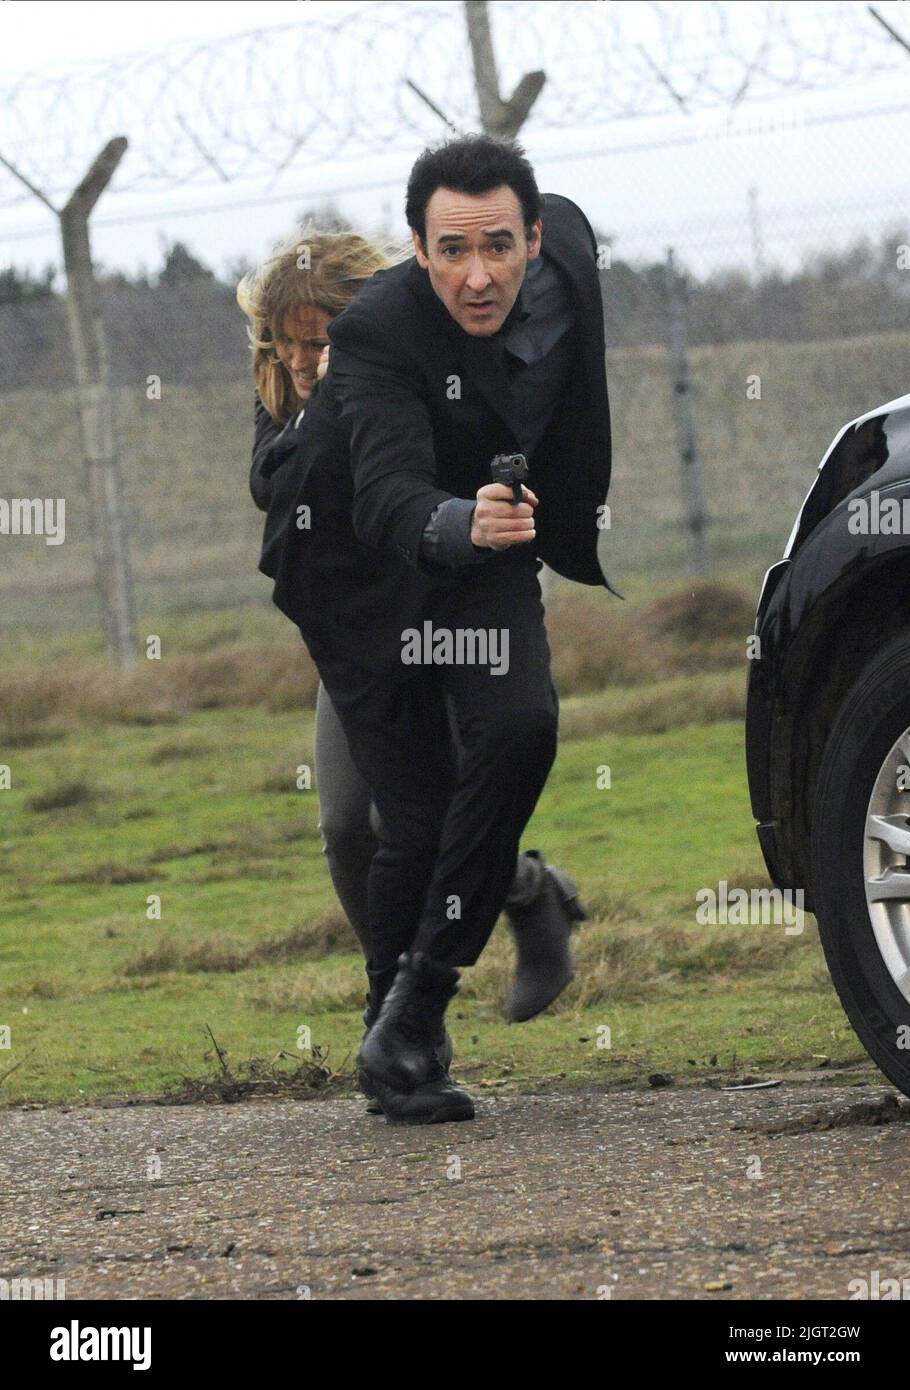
{"points": [[246, 108]]}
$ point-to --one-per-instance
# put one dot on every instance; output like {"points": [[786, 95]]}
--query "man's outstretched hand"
{"points": [[498, 522]]}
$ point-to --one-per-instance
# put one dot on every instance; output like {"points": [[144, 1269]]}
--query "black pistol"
{"points": [[511, 469]]}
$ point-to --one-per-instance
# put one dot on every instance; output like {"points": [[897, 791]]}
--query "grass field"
{"points": [[176, 780], [202, 811]]}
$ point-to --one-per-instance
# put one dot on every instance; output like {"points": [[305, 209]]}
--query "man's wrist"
{"points": [[447, 536]]}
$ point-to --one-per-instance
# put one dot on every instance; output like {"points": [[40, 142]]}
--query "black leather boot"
{"points": [[445, 1051], [380, 984], [542, 908], [398, 1058]]}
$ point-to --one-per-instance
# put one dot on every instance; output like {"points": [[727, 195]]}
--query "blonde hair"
{"points": [[325, 269]]}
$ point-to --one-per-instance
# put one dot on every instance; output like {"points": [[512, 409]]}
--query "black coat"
{"points": [[265, 458], [381, 444], [348, 599]]}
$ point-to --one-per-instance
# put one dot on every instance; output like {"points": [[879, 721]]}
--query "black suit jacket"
{"points": [[411, 412]]}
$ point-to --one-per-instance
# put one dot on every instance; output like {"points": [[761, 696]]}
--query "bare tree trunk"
{"points": [[497, 117]]}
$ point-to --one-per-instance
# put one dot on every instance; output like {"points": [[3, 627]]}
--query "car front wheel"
{"points": [[860, 858]]}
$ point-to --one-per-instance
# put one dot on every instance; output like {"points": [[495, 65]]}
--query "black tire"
{"points": [[873, 715]]}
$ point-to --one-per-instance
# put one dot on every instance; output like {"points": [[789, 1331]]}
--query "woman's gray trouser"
{"points": [[347, 817]]}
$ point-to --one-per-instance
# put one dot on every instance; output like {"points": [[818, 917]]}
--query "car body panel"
{"points": [[801, 595]]}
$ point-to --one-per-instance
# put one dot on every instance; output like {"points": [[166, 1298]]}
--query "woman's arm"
{"points": [[265, 434]]}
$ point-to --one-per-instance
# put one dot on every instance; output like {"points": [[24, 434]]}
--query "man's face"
{"points": [[476, 255]]}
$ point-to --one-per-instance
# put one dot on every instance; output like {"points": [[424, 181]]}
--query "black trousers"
{"points": [[451, 821]]}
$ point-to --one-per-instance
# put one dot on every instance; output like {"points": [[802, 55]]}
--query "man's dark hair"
{"points": [[471, 164]]}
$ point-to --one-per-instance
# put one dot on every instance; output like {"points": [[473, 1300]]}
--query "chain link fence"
{"points": [[788, 222]]}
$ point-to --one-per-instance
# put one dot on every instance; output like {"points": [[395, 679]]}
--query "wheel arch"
{"points": [[852, 625]]}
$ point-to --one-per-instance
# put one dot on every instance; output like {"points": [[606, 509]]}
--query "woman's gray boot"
{"points": [[542, 908]]}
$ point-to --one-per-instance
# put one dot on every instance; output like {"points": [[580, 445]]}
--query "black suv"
{"points": [[828, 723]]}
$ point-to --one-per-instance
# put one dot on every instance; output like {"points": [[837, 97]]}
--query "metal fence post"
{"points": [[695, 516], [113, 577]]}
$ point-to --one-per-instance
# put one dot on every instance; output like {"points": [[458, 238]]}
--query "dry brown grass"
{"points": [[156, 692], [655, 709], [701, 626], [622, 958], [622, 955], [592, 648], [62, 796], [704, 611], [329, 934], [112, 874], [697, 629], [177, 752]]}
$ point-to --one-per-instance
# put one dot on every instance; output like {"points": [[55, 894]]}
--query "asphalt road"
{"points": [[677, 1192]]}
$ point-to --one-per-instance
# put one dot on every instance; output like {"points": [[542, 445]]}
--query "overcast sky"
{"points": [[646, 181]]}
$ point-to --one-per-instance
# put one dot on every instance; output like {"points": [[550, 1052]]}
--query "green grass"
{"points": [[102, 1001], [168, 780]]}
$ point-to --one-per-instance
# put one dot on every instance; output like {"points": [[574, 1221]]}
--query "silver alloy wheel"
{"points": [[886, 862]]}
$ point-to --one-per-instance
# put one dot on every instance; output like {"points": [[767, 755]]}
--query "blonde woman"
{"points": [[290, 302]]}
